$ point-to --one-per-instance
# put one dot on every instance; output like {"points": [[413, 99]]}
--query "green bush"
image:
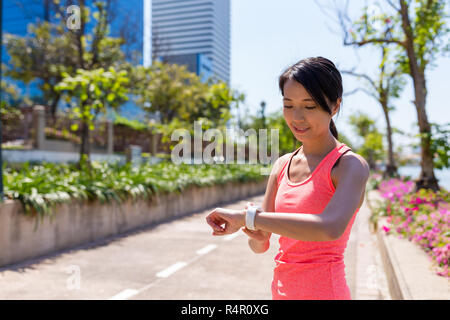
{"points": [[40, 187]]}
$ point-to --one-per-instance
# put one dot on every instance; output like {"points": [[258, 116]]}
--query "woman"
{"points": [[313, 193]]}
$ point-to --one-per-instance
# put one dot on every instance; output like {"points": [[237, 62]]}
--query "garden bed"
{"points": [[413, 231]]}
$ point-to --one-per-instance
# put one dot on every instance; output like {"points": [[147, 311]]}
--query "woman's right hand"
{"points": [[258, 235]]}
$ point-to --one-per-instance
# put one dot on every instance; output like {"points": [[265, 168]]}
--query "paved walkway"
{"points": [[364, 267], [179, 259]]}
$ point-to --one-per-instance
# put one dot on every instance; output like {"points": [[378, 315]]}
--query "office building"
{"points": [[195, 33]]}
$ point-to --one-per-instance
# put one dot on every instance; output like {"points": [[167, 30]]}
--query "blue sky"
{"points": [[267, 36]]}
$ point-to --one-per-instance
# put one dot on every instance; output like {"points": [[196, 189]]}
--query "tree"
{"points": [[385, 86], [93, 91], [167, 89], [372, 147], [263, 114], [180, 98], [50, 49], [417, 29], [43, 54], [440, 136]]}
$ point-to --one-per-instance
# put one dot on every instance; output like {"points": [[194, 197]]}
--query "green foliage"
{"points": [[344, 139], [91, 92], [50, 50], [52, 133], [439, 144], [133, 124], [43, 53], [430, 32], [180, 98], [11, 97], [40, 187], [287, 141], [417, 32], [372, 147], [428, 29]]}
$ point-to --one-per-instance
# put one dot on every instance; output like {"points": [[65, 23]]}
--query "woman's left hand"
{"points": [[232, 219]]}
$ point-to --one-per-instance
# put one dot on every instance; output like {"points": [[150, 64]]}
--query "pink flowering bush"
{"points": [[422, 217]]}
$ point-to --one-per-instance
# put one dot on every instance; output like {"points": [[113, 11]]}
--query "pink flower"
{"points": [[386, 229]]}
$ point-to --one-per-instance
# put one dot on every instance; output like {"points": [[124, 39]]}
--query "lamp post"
{"points": [[1, 95]]}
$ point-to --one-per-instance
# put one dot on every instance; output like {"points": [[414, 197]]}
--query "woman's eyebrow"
{"points": [[307, 99]]}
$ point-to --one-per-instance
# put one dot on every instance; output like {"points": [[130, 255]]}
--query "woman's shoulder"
{"points": [[278, 166], [349, 161], [281, 161], [353, 159]]}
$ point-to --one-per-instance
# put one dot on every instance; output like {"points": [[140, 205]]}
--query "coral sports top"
{"points": [[310, 270]]}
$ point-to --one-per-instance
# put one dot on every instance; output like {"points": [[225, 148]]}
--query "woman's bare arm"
{"points": [[329, 225], [268, 204], [332, 222]]}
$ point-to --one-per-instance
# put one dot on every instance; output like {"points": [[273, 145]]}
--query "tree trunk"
{"points": [[426, 179], [85, 147], [371, 161], [53, 107], [391, 168]]}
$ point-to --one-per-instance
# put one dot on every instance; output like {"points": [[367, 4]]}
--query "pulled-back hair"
{"points": [[320, 78]]}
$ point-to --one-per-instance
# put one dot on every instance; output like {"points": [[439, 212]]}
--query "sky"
{"points": [[268, 36]]}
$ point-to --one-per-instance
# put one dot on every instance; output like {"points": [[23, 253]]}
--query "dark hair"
{"points": [[320, 78]]}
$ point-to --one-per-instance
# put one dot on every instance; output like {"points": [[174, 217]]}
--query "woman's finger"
{"points": [[214, 222], [250, 233], [249, 204]]}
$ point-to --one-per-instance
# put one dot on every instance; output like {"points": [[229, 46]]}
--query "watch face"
{"points": [[250, 217]]}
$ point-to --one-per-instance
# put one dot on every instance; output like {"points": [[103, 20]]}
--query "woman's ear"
{"points": [[336, 107]]}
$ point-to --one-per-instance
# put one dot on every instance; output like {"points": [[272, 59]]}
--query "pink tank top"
{"points": [[310, 269]]}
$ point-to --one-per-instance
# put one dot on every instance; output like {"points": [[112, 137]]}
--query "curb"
{"points": [[396, 283]]}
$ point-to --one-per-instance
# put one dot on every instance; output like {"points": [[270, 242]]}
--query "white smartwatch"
{"points": [[250, 217]]}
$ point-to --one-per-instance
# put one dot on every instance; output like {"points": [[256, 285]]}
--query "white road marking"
{"points": [[231, 236], [206, 249], [125, 294], [128, 293], [172, 269]]}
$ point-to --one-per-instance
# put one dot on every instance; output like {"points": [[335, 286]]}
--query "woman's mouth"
{"points": [[300, 130]]}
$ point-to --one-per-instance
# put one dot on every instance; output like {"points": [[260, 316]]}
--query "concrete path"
{"points": [[364, 268], [179, 259]]}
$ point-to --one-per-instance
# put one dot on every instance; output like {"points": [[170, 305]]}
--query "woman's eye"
{"points": [[288, 107], [310, 108]]}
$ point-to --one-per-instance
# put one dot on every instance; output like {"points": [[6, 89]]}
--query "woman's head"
{"points": [[312, 93]]}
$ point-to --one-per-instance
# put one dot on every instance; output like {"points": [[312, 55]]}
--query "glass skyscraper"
{"points": [[195, 33]]}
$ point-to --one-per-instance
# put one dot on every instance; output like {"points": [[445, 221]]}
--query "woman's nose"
{"points": [[298, 116]]}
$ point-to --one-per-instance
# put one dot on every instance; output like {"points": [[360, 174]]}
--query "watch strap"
{"points": [[250, 217]]}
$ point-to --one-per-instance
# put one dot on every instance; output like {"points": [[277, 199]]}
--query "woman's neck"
{"points": [[319, 147]]}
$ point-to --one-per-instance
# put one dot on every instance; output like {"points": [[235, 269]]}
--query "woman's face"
{"points": [[302, 112]]}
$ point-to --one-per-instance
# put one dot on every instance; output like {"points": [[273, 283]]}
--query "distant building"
{"points": [[195, 33]]}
